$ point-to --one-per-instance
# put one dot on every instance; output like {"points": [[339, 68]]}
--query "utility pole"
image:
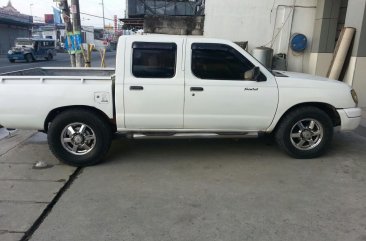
{"points": [[68, 27], [30, 7], [77, 30], [103, 15]]}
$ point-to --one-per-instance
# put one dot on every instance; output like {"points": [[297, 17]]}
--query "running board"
{"points": [[193, 136]]}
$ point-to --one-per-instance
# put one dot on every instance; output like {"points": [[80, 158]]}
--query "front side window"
{"points": [[154, 60], [218, 62], [26, 43]]}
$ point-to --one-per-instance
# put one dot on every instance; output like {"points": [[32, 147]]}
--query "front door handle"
{"points": [[197, 89], [136, 88]]}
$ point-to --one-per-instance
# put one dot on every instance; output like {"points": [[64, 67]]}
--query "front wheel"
{"points": [[79, 138], [305, 133], [28, 58]]}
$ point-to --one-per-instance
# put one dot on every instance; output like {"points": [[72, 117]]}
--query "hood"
{"points": [[21, 49], [16, 49], [305, 87], [305, 80]]}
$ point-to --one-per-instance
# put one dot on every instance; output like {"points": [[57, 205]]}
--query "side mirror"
{"points": [[252, 74]]}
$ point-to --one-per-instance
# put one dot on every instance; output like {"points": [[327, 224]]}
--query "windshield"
{"points": [[27, 43]]}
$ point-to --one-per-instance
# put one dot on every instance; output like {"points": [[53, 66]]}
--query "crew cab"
{"points": [[175, 86], [31, 49]]}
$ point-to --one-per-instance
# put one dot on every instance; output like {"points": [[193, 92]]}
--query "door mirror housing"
{"points": [[252, 74]]}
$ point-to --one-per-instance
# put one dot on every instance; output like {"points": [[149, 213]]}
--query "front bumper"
{"points": [[350, 118], [16, 56]]}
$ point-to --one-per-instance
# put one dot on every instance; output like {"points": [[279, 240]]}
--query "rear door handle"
{"points": [[196, 89], [136, 88]]}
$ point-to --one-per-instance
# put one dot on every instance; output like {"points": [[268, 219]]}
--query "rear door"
{"points": [[154, 84], [217, 97], [40, 49]]}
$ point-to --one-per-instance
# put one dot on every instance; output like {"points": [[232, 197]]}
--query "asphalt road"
{"points": [[61, 60]]}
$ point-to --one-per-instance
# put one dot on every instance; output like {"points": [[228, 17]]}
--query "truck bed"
{"points": [[53, 71], [28, 96]]}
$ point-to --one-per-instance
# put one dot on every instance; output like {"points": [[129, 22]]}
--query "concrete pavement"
{"points": [[25, 192], [215, 190]]}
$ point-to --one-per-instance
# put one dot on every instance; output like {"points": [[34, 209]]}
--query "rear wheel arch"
{"points": [[55, 112]]}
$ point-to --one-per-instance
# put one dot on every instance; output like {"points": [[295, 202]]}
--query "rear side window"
{"points": [[218, 62], [154, 60], [48, 44]]}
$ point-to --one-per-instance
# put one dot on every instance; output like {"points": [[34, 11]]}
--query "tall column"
{"points": [[68, 27], [77, 30], [356, 73], [324, 36]]}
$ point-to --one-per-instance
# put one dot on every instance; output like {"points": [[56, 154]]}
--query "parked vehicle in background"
{"points": [[176, 86], [31, 49]]}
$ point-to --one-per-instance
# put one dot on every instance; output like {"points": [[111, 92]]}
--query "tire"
{"points": [[88, 144], [28, 58], [49, 57], [304, 133]]}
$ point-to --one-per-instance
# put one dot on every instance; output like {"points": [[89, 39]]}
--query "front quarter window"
{"points": [[219, 62]]}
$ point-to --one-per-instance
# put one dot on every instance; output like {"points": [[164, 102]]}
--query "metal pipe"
{"points": [[341, 53]]}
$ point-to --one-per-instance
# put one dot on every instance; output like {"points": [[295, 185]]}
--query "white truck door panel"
{"points": [[154, 85], [224, 103]]}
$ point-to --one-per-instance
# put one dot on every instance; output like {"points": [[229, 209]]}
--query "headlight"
{"points": [[10, 52], [354, 96]]}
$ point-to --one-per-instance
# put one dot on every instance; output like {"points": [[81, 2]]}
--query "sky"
{"points": [[94, 7]]}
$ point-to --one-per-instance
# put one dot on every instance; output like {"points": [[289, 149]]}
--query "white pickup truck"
{"points": [[175, 86]]}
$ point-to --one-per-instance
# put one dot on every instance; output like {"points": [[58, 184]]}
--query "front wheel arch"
{"points": [[330, 110], [29, 57]]}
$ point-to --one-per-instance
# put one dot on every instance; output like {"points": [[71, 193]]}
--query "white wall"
{"points": [[263, 23], [47, 33], [89, 33]]}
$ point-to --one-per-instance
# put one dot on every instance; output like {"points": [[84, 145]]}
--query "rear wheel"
{"points": [[304, 133], [12, 60], [79, 137], [49, 57], [28, 58]]}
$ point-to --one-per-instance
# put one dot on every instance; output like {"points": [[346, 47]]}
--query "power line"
{"points": [[96, 16]]}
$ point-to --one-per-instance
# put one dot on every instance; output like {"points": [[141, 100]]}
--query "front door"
{"points": [[154, 85], [217, 96]]}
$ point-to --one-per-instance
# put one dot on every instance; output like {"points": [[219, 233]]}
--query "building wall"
{"points": [[8, 35], [356, 72], [264, 23], [88, 32], [176, 25], [271, 23]]}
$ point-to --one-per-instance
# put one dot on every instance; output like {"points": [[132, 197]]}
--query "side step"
{"points": [[191, 135]]}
